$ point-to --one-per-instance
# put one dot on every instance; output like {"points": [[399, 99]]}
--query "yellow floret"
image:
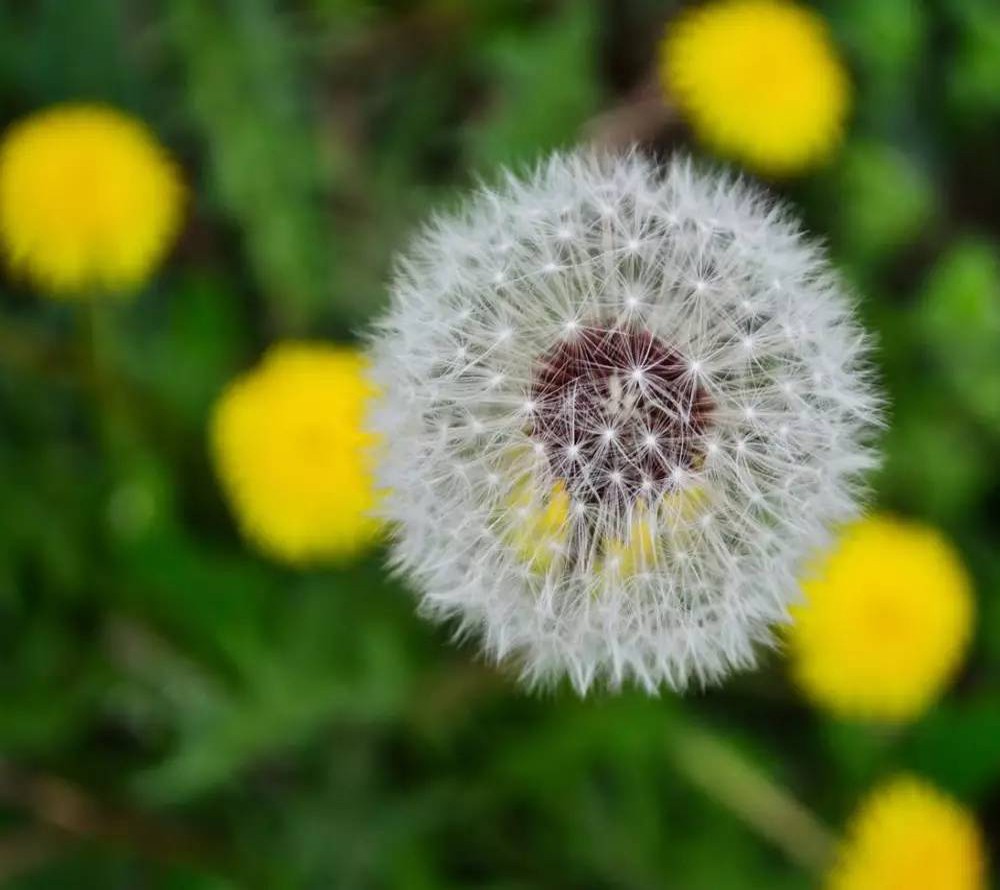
{"points": [[88, 200], [292, 453], [538, 527], [638, 552], [887, 618], [759, 81], [909, 836], [655, 532]]}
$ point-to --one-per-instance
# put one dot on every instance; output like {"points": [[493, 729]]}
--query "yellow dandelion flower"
{"points": [[88, 200], [291, 452], [759, 81], [887, 618], [909, 836]]}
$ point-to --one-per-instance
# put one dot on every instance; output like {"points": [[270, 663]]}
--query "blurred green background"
{"points": [[178, 712]]}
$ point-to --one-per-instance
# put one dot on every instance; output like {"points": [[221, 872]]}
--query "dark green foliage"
{"points": [[176, 712]]}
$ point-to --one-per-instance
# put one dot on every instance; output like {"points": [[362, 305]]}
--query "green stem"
{"points": [[98, 342], [721, 772]]}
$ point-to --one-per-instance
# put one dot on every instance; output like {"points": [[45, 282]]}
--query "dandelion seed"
{"points": [[643, 528]]}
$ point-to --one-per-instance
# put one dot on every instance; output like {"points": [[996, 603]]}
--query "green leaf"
{"points": [[336, 652], [955, 746], [973, 85], [936, 465], [886, 41], [959, 319], [543, 87], [243, 78], [185, 348], [881, 200]]}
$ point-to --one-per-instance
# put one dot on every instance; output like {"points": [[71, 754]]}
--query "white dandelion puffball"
{"points": [[620, 405]]}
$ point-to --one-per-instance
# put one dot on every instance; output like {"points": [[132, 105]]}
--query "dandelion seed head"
{"points": [[640, 524]]}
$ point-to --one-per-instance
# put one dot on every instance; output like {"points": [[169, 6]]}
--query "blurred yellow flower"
{"points": [[638, 551], [88, 200], [291, 452], [759, 80], [538, 528], [909, 836], [886, 621]]}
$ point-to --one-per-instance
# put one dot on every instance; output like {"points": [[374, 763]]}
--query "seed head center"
{"points": [[620, 413]]}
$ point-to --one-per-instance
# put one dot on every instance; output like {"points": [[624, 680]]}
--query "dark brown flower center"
{"points": [[618, 412]]}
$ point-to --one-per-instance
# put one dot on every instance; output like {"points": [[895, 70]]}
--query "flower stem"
{"points": [[721, 772], [98, 341]]}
